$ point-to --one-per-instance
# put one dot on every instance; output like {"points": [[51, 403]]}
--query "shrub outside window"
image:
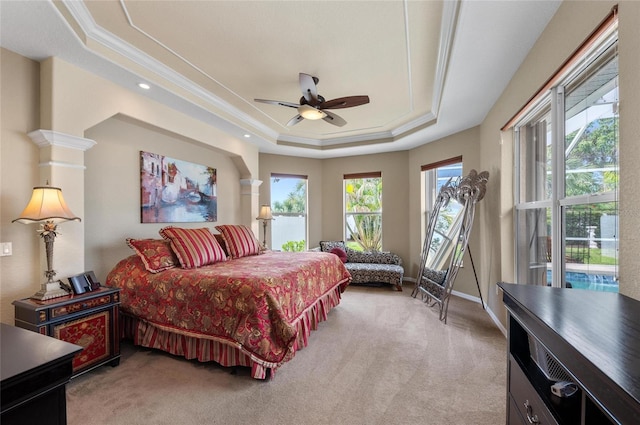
{"points": [[363, 211]]}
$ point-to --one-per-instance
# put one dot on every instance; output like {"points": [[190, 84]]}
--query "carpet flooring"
{"points": [[382, 357]]}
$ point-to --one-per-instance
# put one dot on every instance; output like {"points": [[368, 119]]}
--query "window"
{"points": [[289, 210], [567, 176], [363, 211], [435, 175]]}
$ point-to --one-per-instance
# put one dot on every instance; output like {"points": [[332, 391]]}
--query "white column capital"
{"points": [[250, 182], [44, 138]]}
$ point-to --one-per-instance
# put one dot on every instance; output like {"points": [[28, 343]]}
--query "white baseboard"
{"points": [[474, 299], [486, 308], [497, 322], [466, 296]]}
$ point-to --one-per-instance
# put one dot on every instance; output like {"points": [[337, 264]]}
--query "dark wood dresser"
{"points": [[89, 320], [34, 370], [589, 338]]}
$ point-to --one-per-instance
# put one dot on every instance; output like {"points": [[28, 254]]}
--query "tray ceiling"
{"points": [[422, 63]]}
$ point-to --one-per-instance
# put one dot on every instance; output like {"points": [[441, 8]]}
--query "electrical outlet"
{"points": [[5, 249]]}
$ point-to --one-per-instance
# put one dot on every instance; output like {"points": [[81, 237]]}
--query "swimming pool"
{"points": [[592, 282]]}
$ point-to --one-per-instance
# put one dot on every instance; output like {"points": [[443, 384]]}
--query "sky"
{"points": [[281, 187]]}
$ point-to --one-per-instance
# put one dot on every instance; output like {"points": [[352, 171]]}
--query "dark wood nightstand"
{"points": [[90, 320]]}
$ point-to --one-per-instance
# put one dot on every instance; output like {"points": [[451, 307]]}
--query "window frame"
{"points": [[600, 49], [430, 183], [346, 214], [277, 214]]}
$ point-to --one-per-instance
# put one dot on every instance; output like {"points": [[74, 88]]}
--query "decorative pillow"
{"points": [[327, 246], [194, 247], [340, 253], [240, 240], [156, 254]]}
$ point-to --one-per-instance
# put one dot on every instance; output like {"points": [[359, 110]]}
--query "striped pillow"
{"points": [[221, 242], [194, 247], [240, 240]]}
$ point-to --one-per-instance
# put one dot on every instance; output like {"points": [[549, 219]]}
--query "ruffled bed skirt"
{"points": [[220, 350]]}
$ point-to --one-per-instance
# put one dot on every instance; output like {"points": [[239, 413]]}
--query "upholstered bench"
{"points": [[368, 267]]}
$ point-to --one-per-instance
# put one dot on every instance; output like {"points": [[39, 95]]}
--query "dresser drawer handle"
{"points": [[533, 419]]}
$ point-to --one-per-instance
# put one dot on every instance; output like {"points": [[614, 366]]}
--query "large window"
{"points": [[363, 211], [434, 176], [289, 210], [567, 177]]}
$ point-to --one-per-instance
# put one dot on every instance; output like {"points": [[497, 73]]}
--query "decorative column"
{"points": [[62, 165], [250, 203]]}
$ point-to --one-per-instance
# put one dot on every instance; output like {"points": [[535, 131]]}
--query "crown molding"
{"points": [[423, 121], [447, 31], [93, 31]]}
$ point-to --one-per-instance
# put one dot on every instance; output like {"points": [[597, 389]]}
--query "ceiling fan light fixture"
{"points": [[311, 113]]}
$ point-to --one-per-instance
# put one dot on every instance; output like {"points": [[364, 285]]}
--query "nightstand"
{"points": [[89, 320]]}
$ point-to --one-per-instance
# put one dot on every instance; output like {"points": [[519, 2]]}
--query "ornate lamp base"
{"points": [[49, 290]]}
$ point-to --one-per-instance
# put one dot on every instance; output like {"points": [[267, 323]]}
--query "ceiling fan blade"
{"points": [[308, 88], [345, 102], [295, 120], [334, 119], [277, 102]]}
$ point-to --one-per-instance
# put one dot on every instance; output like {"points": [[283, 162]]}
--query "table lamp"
{"points": [[265, 216], [47, 207]]}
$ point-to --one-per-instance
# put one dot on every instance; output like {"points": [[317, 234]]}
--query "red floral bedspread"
{"points": [[253, 301]]}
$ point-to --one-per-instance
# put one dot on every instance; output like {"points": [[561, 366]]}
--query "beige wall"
{"points": [[57, 96], [20, 273], [112, 184], [629, 50]]}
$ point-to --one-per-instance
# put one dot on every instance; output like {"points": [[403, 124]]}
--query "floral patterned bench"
{"points": [[368, 267]]}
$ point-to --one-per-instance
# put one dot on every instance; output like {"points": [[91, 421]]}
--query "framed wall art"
{"points": [[176, 191]]}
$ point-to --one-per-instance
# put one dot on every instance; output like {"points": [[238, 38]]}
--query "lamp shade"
{"points": [[46, 204], [265, 213]]}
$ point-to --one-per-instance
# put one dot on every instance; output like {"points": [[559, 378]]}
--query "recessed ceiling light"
{"points": [[144, 86], [247, 135]]}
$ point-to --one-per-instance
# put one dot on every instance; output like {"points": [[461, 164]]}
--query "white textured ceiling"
{"points": [[430, 68]]}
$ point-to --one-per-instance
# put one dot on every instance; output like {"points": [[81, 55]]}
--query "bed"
{"points": [[254, 311]]}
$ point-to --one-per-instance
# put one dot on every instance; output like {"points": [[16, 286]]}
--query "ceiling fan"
{"points": [[313, 106]]}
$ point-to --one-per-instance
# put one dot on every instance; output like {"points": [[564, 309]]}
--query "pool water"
{"points": [[592, 282]]}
